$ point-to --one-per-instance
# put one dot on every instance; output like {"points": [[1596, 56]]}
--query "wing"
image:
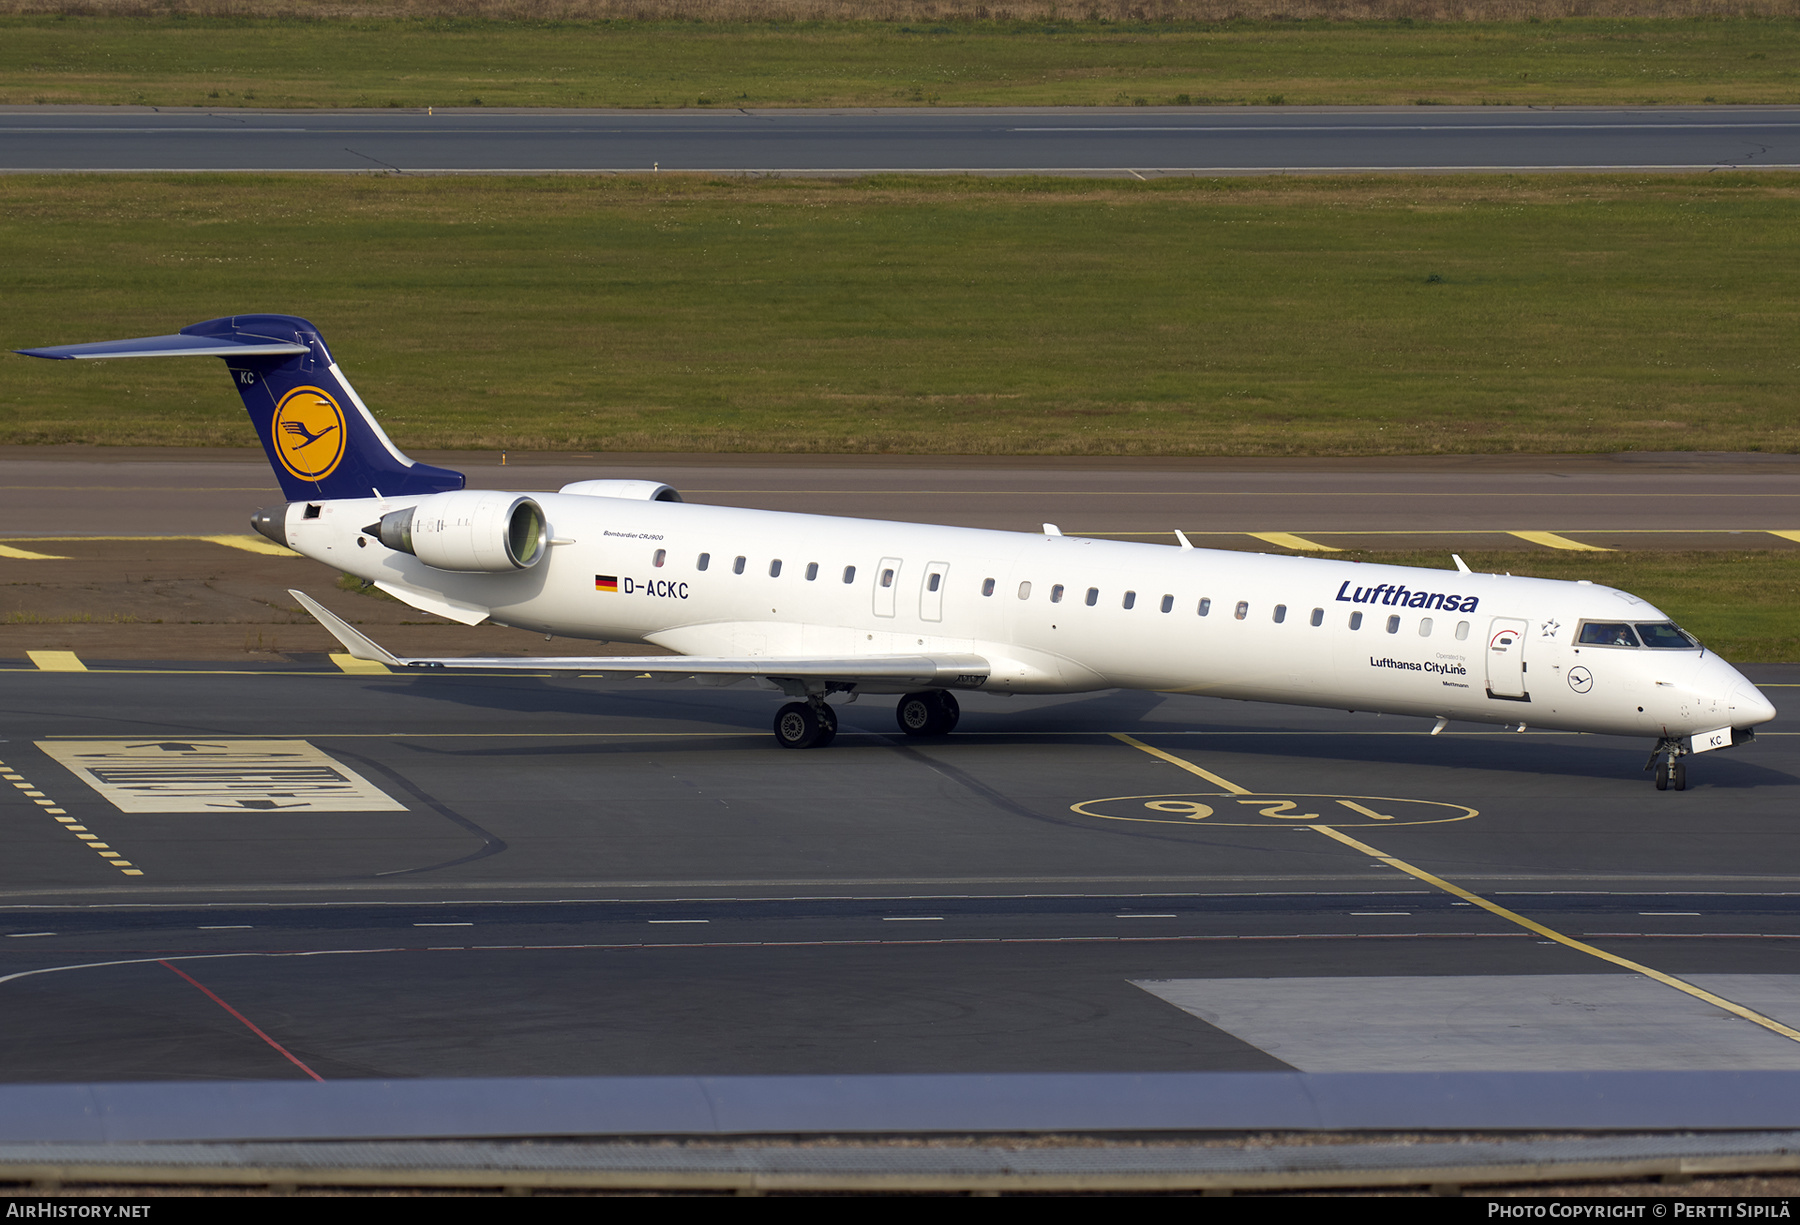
{"points": [[919, 671]]}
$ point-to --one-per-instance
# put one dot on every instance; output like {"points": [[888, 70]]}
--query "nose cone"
{"points": [[1748, 706]]}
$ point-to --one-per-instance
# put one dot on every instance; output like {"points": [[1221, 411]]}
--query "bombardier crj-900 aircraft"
{"points": [[815, 606]]}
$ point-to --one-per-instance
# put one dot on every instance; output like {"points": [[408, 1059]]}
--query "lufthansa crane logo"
{"points": [[309, 433]]}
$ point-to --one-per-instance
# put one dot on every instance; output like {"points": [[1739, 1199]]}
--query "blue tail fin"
{"points": [[321, 438]]}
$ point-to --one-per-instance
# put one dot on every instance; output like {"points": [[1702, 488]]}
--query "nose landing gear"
{"points": [[1666, 759]]}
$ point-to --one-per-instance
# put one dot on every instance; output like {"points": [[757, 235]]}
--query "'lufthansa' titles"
{"points": [[1402, 597]]}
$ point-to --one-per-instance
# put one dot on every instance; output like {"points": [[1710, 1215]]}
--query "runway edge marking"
{"points": [[1494, 908]]}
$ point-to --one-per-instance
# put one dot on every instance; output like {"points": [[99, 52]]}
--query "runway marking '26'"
{"points": [[1289, 808]]}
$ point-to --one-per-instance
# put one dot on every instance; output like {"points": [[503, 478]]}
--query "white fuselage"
{"points": [[1481, 647]]}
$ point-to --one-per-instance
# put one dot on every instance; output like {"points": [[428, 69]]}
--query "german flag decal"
{"points": [[607, 582]]}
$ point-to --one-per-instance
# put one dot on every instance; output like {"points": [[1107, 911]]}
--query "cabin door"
{"points": [[887, 586], [931, 592], [1506, 659]]}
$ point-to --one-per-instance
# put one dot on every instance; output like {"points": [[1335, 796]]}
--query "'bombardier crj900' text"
{"points": [[815, 606]]}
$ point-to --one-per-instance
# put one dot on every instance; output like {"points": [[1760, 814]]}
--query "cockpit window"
{"points": [[1666, 636], [1607, 634]]}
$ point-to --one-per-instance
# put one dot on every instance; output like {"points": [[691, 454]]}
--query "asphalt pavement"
{"points": [[1138, 141]]}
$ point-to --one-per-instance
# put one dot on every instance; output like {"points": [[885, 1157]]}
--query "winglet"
{"points": [[355, 641], [1461, 564], [1182, 537]]}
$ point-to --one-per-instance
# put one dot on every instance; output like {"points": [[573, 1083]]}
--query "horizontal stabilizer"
{"points": [[168, 346], [321, 439], [922, 671]]}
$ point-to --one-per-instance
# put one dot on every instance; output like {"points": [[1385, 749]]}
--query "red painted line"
{"points": [[285, 1053]]}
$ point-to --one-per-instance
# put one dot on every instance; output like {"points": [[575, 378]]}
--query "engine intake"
{"points": [[469, 529]]}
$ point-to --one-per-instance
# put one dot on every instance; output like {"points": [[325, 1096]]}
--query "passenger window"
{"points": [[1056, 594], [1024, 589], [1393, 625], [887, 578], [1205, 605], [931, 584], [1280, 613], [1243, 610], [737, 567], [1131, 599], [849, 574], [1462, 631], [1425, 627], [1093, 596], [1318, 617], [812, 571], [775, 568], [987, 586], [1355, 620], [1168, 603], [662, 555], [704, 561]]}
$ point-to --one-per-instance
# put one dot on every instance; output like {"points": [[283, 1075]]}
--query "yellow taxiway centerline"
{"points": [[1173, 760], [1494, 908]]}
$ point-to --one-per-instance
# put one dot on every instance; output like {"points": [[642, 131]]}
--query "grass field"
{"points": [[377, 61], [1245, 317], [1744, 605]]}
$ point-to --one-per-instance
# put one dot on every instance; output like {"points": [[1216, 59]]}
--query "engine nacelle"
{"points": [[637, 491], [469, 529]]}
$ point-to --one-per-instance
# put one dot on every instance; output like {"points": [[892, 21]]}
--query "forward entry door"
{"points": [[1506, 660]]}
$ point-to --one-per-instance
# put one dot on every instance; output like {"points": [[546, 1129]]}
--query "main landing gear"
{"points": [[931, 713], [812, 724], [1667, 760], [805, 725]]}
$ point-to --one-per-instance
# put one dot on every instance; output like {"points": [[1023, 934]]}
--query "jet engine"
{"points": [[468, 529]]}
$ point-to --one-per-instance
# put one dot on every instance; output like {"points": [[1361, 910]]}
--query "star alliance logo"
{"points": [[1550, 627]]}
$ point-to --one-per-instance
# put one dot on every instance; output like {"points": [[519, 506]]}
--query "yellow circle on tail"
{"points": [[309, 433]]}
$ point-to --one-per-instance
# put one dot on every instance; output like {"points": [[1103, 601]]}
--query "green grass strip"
{"points": [[419, 62], [980, 316]]}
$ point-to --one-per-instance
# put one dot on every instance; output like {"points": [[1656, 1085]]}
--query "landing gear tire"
{"points": [[828, 725], [952, 711], [1662, 776], [931, 713], [1678, 775], [798, 726]]}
